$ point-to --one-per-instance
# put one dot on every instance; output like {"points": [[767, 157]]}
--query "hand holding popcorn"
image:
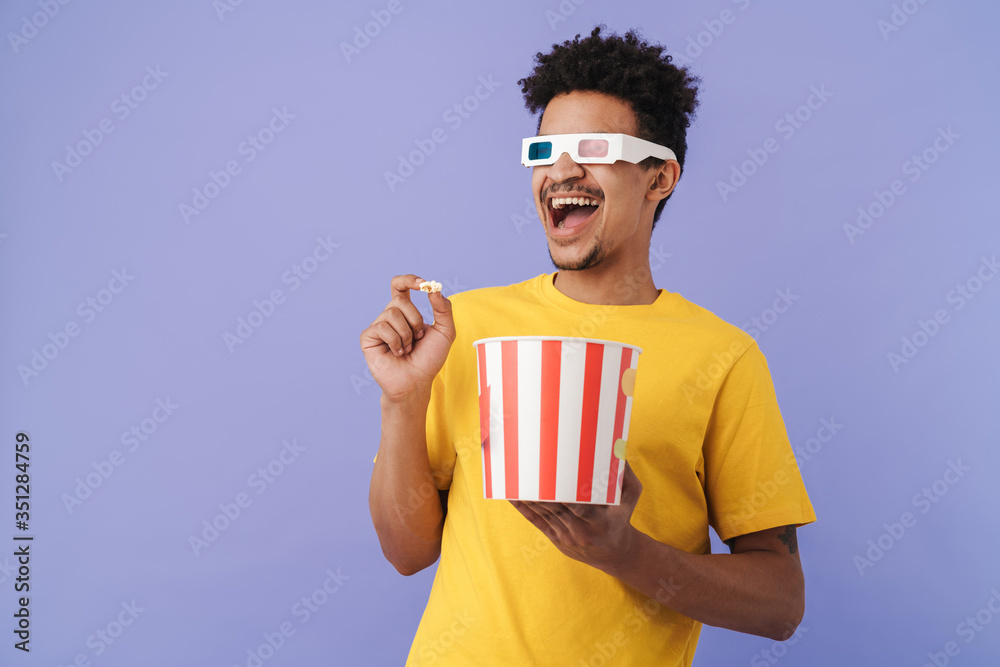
{"points": [[404, 354]]}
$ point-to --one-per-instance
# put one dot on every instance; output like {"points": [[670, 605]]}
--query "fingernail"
{"points": [[420, 334], [409, 347]]}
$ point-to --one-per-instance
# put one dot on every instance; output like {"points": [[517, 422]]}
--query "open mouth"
{"points": [[570, 212]]}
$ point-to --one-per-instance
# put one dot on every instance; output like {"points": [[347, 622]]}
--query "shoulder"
{"points": [[708, 329], [487, 295], [486, 304]]}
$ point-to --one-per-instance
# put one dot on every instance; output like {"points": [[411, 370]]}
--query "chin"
{"points": [[577, 261]]}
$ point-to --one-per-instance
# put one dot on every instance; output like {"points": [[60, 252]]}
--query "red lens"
{"points": [[593, 148]]}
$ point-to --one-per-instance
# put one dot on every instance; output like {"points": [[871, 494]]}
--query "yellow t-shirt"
{"points": [[706, 441]]}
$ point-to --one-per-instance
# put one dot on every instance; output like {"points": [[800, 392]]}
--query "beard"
{"points": [[593, 257]]}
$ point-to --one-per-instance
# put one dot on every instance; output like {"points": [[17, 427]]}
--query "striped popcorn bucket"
{"points": [[553, 417]]}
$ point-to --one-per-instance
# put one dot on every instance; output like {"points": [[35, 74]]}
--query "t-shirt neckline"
{"points": [[557, 298]]}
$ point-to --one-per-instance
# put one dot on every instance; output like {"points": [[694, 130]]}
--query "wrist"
{"points": [[411, 403], [628, 556]]}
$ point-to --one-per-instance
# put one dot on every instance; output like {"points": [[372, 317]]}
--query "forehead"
{"points": [[587, 111]]}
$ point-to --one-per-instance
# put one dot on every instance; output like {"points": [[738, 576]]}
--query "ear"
{"points": [[663, 181]]}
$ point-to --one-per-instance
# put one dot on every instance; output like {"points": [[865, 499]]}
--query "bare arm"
{"points": [[404, 355], [758, 589], [405, 506]]}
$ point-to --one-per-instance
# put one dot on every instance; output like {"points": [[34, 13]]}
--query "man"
{"points": [[533, 583]]}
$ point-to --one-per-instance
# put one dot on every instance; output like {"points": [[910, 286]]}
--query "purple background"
{"points": [[460, 218]]}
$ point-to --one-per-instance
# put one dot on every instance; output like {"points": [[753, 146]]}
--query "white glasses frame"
{"points": [[620, 147]]}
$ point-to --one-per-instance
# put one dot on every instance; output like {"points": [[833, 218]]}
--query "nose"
{"points": [[565, 169]]}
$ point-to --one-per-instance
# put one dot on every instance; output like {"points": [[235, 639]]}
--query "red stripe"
{"points": [[619, 424], [508, 354], [484, 421], [588, 423], [549, 435]]}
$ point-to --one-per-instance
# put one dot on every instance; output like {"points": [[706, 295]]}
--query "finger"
{"points": [[412, 315], [556, 514], [401, 285], [443, 319], [584, 511], [415, 321], [403, 324], [537, 520], [631, 486], [395, 318], [383, 333]]}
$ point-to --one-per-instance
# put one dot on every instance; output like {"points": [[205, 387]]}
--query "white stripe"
{"points": [[529, 407], [494, 371], [571, 372], [610, 365]]}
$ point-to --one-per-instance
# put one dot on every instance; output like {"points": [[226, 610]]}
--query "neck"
{"points": [[600, 285]]}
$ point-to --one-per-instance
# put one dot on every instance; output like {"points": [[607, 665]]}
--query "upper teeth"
{"points": [[579, 201]]}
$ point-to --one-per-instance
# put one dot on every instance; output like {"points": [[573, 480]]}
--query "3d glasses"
{"points": [[590, 149]]}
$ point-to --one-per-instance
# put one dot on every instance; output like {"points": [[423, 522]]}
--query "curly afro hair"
{"points": [[662, 95]]}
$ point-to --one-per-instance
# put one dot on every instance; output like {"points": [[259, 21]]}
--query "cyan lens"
{"points": [[540, 150]]}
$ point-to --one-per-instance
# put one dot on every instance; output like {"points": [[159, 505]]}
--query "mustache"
{"points": [[592, 192]]}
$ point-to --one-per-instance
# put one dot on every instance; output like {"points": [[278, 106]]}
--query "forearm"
{"points": [[756, 592], [404, 501]]}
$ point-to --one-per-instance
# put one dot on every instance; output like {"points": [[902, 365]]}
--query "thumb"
{"points": [[443, 320], [631, 486]]}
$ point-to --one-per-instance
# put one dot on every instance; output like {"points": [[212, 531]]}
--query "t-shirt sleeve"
{"points": [[440, 442], [752, 481]]}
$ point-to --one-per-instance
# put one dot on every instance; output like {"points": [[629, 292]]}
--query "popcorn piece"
{"points": [[430, 286]]}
